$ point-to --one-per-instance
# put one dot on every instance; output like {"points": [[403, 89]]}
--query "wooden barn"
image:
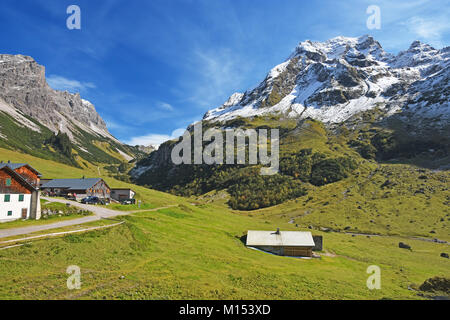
{"points": [[283, 243], [81, 188]]}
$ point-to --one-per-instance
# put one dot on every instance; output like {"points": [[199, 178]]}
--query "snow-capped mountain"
{"points": [[334, 80]]}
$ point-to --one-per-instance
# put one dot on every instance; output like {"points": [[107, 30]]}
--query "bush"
{"points": [[316, 168], [331, 170], [257, 191]]}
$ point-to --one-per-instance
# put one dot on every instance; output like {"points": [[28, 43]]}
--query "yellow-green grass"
{"points": [[133, 207], [29, 223], [96, 223], [105, 147], [361, 204], [192, 252]]}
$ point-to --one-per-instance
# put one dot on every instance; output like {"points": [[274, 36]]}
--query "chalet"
{"points": [[19, 192], [283, 243], [122, 194], [81, 188]]}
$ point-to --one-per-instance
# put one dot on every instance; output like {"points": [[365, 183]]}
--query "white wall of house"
{"points": [[14, 206]]}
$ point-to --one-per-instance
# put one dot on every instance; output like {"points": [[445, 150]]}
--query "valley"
{"points": [[192, 250], [363, 162]]}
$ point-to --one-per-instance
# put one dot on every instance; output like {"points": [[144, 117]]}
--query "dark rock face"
{"points": [[444, 255], [283, 84]]}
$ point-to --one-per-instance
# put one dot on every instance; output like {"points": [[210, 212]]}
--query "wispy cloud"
{"points": [[65, 84], [214, 74], [166, 106], [430, 30], [155, 139]]}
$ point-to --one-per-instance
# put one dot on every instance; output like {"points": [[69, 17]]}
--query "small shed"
{"points": [[283, 243], [122, 194]]}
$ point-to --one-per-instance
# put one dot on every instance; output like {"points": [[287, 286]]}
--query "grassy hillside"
{"points": [[390, 200], [89, 150], [357, 176], [190, 252], [194, 251]]}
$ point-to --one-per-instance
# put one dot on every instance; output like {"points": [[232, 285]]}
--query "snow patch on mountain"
{"points": [[17, 116], [334, 80]]}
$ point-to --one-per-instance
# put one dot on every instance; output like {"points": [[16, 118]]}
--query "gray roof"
{"points": [[15, 166], [72, 184], [282, 239]]}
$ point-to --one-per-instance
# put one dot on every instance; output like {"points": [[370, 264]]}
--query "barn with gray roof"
{"points": [[284, 243], [81, 188]]}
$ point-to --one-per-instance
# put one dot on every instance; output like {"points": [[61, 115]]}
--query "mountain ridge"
{"points": [[339, 105], [333, 80], [25, 88], [54, 124]]}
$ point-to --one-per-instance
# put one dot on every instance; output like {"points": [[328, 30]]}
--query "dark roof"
{"points": [[72, 184], [18, 177], [15, 166]]}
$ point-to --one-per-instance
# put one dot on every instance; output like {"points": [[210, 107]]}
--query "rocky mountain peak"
{"points": [[334, 80], [25, 92]]}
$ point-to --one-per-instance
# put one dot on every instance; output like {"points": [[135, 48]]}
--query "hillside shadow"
{"points": [[396, 141]]}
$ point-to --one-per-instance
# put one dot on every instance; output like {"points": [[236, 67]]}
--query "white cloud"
{"points": [[217, 74], [64, 84], [430, 30], [166, 106], [155, 139], [111, 124]]}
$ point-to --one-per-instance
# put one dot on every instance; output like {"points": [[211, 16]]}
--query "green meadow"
{"points": [[195, 252], [192, 249]]}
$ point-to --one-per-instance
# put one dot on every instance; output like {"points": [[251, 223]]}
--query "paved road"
{"points": [[99, 213], [97, 210]]}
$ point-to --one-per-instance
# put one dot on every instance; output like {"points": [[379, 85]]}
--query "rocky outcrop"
{"points": [[53, 124], [24, 89], [334, 80]]}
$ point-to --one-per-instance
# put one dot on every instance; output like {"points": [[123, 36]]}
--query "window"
{"points": [[8, 182], [21, 197], [7, 198], [9, 213]]}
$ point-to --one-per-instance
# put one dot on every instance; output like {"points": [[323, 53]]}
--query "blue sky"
{"points": [[152, 67]]}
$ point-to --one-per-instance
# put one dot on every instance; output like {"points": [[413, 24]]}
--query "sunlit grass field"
{"points": [[193, 250]]}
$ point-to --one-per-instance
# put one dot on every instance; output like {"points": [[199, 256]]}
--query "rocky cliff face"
{"points": [[30, 106], [24, 89], [334, 80]]}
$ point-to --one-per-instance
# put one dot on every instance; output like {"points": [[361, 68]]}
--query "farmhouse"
{"points": [[81, 188], [283, 243], [122, 194], [19, 192]]}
